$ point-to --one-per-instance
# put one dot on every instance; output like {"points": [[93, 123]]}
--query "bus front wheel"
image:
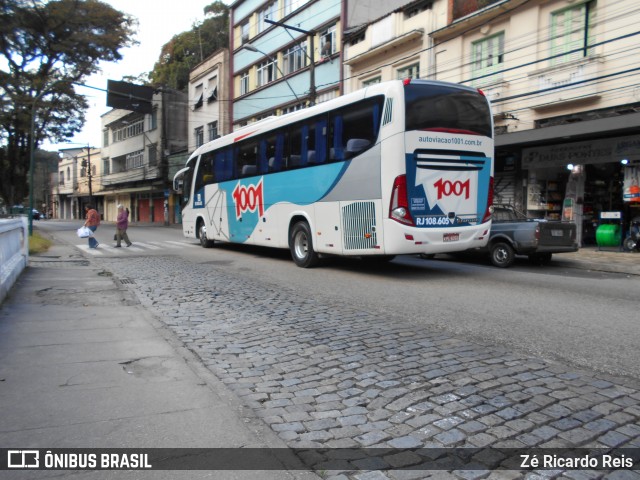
{"points": [[301, 246], [202, 235]]}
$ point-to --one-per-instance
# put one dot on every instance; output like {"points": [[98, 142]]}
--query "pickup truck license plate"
{"points": [[557, 233], [450, 237]]}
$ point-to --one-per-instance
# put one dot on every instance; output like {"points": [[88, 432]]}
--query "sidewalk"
{"points": [[601, 260], [83, 365]]}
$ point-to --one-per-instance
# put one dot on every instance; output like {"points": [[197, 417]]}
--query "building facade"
{"points": [[77, 183], [208, 91], [396, 45], [278, 68], [135, 158]]}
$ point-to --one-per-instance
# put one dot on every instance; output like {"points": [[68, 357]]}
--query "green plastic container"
{"points": [[608, 235]]}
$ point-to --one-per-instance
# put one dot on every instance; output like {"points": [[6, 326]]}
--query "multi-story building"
{"points": [[395, 45], [280, 68], [78, 182], [562, 82], [135, 156], [208, 95]]}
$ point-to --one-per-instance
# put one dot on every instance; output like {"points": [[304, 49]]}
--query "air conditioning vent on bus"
{"points": [[359, 226]]}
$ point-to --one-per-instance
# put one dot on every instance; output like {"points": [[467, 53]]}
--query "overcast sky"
{"points": [[159, 21]]}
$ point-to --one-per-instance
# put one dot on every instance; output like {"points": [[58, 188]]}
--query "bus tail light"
{"points": [[489, 210], [399, 206]]}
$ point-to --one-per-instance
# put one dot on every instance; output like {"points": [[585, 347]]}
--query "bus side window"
{"points": [[271, 153], [336, 152], [223, 165], [355, 129], [320, 141], [207, 168], [204, 175], [295, 148], [247, 158]]}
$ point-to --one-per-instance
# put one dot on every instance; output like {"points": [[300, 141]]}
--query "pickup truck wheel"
{"points": [[540, 258], [502, 254]]}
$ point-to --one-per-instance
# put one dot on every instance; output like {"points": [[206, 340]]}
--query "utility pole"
{"points": [[312, 69], [89, 174]]}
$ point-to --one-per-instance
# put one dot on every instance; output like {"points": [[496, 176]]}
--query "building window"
{"points": [[106, 166], [291, 6], [153, 155], [266, 72], [153, 119], [326, 96], [295, 58], [244, 83], [128, 130], [199, 136], [572, 32], [135, 159], [212, 90], [213, 130], [328, 44], [62, 177], [268, 12], [417, 9], [412, 71], [105, 138], [199, 96], [292, 108], [487, 57], [244, 32], [371, 81]]}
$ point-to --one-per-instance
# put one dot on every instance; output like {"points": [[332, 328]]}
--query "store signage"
{"points": [[603, 150]]}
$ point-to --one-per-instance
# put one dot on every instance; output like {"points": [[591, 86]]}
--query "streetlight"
{"points": [[251, 48], [32, 149]]}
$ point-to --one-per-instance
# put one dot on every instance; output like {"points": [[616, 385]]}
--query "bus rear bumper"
{"points": [[400, 239]]}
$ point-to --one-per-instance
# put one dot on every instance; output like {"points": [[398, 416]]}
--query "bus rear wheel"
{"points": [[202, 235], [301, 246]]}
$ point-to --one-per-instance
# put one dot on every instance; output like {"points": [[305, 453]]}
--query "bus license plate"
{"points": [[450, 237]]}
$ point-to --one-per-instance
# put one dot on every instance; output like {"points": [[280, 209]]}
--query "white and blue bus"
{"points": [[400, 167]]}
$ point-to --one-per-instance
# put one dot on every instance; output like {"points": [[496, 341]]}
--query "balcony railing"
{"points": [[568, 82]]}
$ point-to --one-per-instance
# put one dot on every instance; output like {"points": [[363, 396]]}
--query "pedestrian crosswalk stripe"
{"points": [[136, 247]]}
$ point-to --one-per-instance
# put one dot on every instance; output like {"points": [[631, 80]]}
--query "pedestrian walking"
{"points": [[122, 223], [92, 221]]}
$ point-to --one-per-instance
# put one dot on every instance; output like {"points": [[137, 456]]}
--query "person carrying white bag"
{"points": [[92, 222]]}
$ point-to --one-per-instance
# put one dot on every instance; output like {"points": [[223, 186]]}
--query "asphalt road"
{"points": [[583, 319]]}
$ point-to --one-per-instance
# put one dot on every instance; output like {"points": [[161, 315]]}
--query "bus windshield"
{"points": [[446, 109]]}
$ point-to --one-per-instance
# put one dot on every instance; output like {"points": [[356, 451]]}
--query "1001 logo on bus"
{"points": [[446, 188], [248, 198]]}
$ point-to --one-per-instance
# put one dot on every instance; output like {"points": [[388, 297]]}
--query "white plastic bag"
{"points": [[84, 232]]}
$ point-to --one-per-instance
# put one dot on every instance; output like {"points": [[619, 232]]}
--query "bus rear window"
{"points": [[446, 109]]}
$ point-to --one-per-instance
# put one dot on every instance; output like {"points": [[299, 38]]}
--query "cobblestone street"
{"points": [[331, 376]]}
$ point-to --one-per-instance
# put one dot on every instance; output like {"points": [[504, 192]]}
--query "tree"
{"points": [[45, 48], [187, 49]]}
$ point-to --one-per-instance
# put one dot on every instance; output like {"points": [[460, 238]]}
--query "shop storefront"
{"points": [[578, 181]]}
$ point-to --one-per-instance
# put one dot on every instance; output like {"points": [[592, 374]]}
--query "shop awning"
{"points": [[601, 127]]}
